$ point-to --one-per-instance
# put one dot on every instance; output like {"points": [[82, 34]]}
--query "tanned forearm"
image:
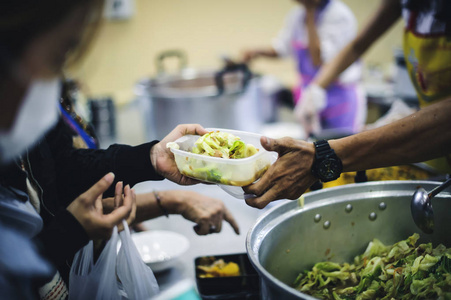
{"points": [[387, 14], [418, 137], [147, 207]]}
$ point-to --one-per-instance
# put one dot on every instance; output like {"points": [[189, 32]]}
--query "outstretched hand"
{"points": [[88, 208], [208, 213], [163, 160], [289, 177]]}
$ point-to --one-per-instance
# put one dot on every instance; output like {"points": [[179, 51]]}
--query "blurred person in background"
{"points": [[38, 40], [313, 34], [422, 136]]}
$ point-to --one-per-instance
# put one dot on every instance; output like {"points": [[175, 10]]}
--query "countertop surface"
{"points": [[225, 242]]}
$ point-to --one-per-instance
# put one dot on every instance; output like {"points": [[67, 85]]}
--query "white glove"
{"points": [[311, 103]]}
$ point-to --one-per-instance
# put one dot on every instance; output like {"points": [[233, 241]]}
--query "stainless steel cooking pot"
{"points": [[336, 224], [206, 97]]}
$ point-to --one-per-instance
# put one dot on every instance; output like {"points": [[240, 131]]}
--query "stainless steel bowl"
{"points": [[336, 224]]}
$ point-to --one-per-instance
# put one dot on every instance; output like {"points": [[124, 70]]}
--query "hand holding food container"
{"points": [[162, 159], [230, 158], [289, 177]]}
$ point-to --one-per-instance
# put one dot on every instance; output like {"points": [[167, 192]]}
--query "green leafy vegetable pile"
{"points": [[223, 144], [400, 271]]}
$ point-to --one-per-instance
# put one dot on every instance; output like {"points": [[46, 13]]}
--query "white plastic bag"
{"points": [[99, 281], [95, 281], [135, 276]]}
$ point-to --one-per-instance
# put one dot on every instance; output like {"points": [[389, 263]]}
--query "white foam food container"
{"points": [[231, 172]]}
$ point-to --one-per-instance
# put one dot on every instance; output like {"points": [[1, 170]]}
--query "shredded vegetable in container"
{"points": [[400, 271], [226, 157], [223, 144]]}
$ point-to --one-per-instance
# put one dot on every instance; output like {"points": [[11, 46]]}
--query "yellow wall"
{"points": [[205, 29]]}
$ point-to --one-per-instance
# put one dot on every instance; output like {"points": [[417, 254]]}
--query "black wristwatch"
{"points": [[327, 166]]}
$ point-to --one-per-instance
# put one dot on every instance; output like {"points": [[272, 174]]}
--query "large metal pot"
{"points": [[336, 224], [207, 97]]}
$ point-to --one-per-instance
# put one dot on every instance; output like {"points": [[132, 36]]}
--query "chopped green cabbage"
{"points": [[400, 271], [223, 144]]}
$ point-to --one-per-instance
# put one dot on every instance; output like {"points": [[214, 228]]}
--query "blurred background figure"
{"points": [[314, 32], [36, 40]]}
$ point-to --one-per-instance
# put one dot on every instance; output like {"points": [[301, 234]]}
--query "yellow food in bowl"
{"points": [[219, 268]]}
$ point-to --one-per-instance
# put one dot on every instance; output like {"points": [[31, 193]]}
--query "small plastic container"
{"points": [[230, 172], [245, 286]]}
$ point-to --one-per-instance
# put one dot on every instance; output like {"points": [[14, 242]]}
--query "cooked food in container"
{"points": [[222, 156], [223, 144], [336, 224], [230, 276], [212, 267], [404, 270]]}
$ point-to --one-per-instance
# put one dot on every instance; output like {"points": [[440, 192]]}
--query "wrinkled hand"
{"points": [[313, 101], [208, 213], [163, 160], [289, 177], [88, 208]]}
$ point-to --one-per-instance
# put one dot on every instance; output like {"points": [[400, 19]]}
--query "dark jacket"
{"points": [[62, 173]]}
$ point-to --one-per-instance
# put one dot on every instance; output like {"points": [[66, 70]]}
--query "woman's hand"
{"points": [[88, 208], [163, 160], [289, 177], [208, 213]]}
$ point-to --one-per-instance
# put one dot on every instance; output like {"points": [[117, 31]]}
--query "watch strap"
{"points": [[322, 148], [324, 151]]}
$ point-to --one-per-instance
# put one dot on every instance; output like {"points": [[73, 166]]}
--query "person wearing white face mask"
{"points": [[67, 161], [36, 38], [38, 113], [32, 53]]}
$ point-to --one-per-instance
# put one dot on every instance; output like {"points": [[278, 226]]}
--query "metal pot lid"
{"points": [[190, 83]]}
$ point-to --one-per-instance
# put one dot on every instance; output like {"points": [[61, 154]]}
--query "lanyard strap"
{"points": [[90, 141]]}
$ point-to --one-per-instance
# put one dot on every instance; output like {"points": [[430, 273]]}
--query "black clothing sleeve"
{"points": [[78, 169], [62, 173], [62, 238]]}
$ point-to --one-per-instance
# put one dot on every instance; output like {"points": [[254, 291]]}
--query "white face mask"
{"points": [[37, 114]]}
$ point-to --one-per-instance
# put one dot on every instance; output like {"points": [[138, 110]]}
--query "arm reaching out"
{"points": [[421, 136], [251, 54], [387, 14], [163, 160], [208, 213], [88, 208]]}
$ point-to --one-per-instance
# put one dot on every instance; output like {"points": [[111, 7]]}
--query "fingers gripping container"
{"points": [[230, 172]]}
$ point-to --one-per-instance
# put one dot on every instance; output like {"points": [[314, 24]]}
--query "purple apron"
{"points": [[342, 100]]}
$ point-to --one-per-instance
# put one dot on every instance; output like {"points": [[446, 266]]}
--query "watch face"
{"points": [[329, 169]]}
